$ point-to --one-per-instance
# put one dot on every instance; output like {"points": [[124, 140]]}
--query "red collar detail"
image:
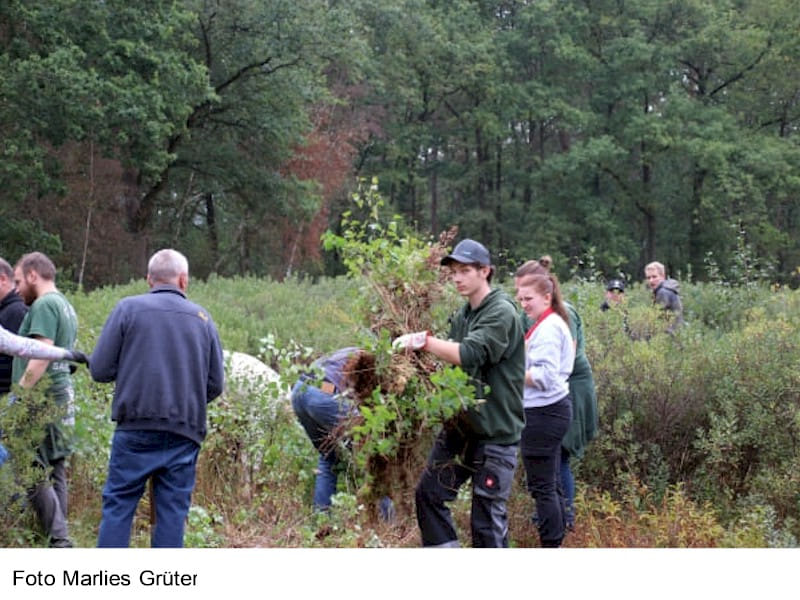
{"points": [[549, 311]]}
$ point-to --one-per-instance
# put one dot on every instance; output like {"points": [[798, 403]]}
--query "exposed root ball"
{"points": [[360, 372]]}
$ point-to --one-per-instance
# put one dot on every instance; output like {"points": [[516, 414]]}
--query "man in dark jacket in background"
{"points": [[12, 311], [165, 355], [666, 292]]}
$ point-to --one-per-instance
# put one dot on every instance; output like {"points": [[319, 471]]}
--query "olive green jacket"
{"points": [[492, 352]]}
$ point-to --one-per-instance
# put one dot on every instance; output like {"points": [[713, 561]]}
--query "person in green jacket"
{"points": [[584, 425], [486, 341]]}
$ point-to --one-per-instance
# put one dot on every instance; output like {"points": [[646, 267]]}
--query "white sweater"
{"points": [[549, 357]]}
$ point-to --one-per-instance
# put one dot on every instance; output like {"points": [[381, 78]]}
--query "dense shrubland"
{"points": [[700, 431], [699, 443]]}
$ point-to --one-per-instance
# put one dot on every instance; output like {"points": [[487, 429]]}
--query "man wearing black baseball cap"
{"points": [[486, 340], [615, 293]]}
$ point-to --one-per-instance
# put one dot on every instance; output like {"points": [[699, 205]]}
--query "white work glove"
{"points": [[411, 341]]}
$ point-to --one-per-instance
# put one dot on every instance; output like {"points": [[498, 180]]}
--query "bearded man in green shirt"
{"points": [[52, 320]]}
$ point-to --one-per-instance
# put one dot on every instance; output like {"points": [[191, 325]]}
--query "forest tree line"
{"points": [[602, 131]]}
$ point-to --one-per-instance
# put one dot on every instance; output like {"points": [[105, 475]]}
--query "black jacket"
{"points": [[12, 311]]}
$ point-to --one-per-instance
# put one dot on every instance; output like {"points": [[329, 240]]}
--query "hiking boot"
{"points": [[61, 543]]}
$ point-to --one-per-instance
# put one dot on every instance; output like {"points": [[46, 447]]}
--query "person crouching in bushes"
{"points": [[322, 399], [549, 358]]}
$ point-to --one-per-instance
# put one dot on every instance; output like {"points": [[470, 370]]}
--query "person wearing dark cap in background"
{"points": [[615, 294], [487, 341]]}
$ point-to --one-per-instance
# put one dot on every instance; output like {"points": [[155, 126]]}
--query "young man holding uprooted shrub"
{"points": [[486, 341]]}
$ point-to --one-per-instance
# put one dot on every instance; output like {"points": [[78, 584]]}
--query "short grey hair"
{"points": [[165, 266]]}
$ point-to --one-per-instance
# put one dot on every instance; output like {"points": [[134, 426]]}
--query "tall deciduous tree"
{"points": [[269, 67], [113, 76]]}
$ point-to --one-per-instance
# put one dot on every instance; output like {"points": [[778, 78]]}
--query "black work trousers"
{"points": [[545, 428], [454, 459]]}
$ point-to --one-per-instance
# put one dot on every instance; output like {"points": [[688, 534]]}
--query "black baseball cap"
{"points": [[469, 252], [616, 284]]}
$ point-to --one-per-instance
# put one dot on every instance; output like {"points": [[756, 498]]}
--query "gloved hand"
{"points": [[78, 357], [411, 341]]}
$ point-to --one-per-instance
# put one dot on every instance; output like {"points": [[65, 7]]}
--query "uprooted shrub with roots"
{"points": [[401, 398]]}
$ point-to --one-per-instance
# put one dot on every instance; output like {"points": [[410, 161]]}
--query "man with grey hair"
{"points": [[165, 356], [666, 292]]}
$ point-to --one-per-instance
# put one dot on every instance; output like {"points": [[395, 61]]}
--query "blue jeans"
{"points": [[171, 461], [540, 447], [567, 489], [318, 413]]}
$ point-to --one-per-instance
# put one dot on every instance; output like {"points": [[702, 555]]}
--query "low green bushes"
{"points": [[699, 432], [714, 408]]}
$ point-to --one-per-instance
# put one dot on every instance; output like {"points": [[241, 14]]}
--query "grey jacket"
{"points": [[667, 294]]}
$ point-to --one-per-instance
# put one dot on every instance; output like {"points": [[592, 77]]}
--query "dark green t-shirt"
{"points": [[54, 318], [51, 317]]}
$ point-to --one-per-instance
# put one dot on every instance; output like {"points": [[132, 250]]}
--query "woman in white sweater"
{"points": [[549, 358]]}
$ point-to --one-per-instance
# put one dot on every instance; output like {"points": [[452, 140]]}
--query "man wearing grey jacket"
{"points": [[666, 292]]}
